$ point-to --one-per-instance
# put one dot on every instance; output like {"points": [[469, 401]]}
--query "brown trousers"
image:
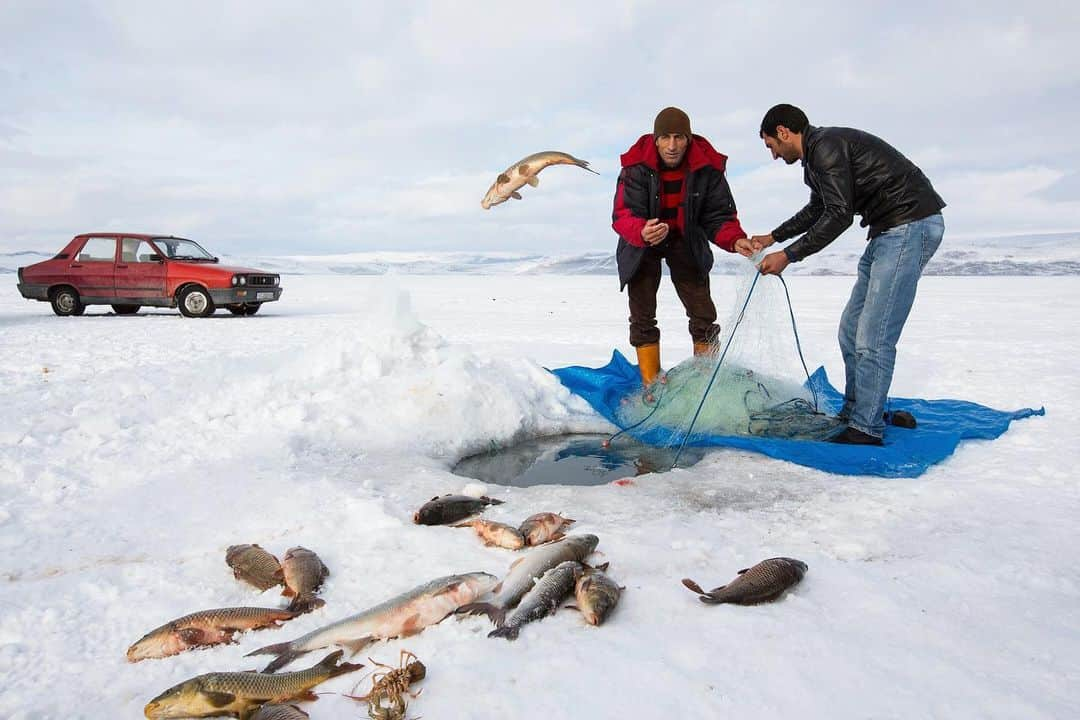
{"points": [[691, 286]]}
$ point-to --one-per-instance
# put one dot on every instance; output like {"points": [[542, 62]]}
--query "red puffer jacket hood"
{"points": [[698, 155]]}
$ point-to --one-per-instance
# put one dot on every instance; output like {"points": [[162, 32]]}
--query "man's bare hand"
{"points": [[760, 242], [744, 247], [654, 232], [774, 263]]}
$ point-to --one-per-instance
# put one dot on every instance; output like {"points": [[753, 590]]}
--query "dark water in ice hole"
{"points": [[571, 460]]}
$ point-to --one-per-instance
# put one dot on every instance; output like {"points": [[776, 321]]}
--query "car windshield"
{"points": [[180, 249]]}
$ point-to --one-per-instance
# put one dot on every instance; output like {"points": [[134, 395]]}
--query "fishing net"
{"points": [[754, 384]]}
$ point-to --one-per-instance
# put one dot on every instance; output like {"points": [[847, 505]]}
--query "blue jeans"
{"points": [[870, 327]]}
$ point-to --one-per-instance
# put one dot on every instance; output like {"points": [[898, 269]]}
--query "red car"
{"points": [[128, 270]]}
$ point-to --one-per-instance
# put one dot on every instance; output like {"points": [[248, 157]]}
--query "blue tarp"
{"points": [[942, 424]]}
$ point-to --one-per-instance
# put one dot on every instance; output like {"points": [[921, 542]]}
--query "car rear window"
{"points": [[98, 249]]}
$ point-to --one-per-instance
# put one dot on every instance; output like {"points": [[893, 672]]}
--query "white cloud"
{"points": [[291, 127]]}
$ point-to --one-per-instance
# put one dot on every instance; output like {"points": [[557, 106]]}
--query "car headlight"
{"points": [[243, 280], [235, 279]]}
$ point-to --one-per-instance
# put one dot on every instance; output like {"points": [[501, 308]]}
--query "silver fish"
{"points": [[544, 527], [521, 575], [524, 172], [761, 583], [401, 616], [542, 600]]}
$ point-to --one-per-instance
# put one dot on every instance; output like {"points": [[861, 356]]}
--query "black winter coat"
{"points": [[850, 171]]}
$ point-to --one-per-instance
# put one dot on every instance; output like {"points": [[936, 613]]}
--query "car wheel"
{"points": [[195, 301], [126, 309], [65, 301], [252, 308]]}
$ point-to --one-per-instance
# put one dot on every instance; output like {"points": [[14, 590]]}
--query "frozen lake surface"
{"points": [[134, 450]]}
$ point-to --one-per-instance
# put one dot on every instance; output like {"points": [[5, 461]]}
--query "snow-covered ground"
{"points": [[134, 450]]}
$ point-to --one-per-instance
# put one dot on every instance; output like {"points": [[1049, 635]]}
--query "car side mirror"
{"points": [[157, 258]]}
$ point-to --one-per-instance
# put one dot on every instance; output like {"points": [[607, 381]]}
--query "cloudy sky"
{"points": [[307, 128]]}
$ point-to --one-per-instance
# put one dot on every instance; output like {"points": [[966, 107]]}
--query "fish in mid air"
{"points": [[524, 172]]}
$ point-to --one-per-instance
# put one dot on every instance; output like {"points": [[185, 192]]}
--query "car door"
{"points": [[140, 271], [92, 269]]}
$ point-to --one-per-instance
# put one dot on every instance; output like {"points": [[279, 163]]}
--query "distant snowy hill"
{"points": [[1048, 254]]}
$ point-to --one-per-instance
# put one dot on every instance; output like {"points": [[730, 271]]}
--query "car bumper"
{"points": [[247, 295], [34, 291]]}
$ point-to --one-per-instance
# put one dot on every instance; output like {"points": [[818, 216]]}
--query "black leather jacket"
{"points": [[850, 171]]}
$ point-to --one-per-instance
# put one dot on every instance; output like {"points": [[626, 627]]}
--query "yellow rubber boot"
{"points": [[648, 358], [705, 348]]}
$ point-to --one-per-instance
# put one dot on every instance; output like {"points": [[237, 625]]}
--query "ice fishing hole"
{"points": [[571, 460]]}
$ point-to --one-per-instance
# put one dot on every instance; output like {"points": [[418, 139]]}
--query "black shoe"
{"points": [[901, 418], [851, 436]]}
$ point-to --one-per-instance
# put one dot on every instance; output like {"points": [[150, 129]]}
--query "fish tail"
{"points": [[305, 604], [584, 165], [330, 664], [285, 655], [494, 613], [510, 632]]}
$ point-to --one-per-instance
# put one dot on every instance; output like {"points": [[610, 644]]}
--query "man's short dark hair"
{"points": [[789, 116]]}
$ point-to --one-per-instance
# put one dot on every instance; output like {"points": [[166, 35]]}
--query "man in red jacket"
{"points": [[672, 202]]}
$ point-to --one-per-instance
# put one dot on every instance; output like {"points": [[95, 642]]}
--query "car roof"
{"points": [[138, 236]]}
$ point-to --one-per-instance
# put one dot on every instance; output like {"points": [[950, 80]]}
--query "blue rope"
{"points": [[663, 388], [715, 371]]}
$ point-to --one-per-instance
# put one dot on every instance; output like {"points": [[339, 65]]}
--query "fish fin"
{"points": [[494, 613], [742, 571], [491, 500], [279, 575], [503, 178], [710, 600], [602, 567], [533, 180], [584, 165], [510, 632], [218, 699], [516, 195], [692, 586], [305, 603], [288, 592], [330, 663], [449, 588], [524, 169], [355, 646], [464, 524], [325, 570], [716, 590]]}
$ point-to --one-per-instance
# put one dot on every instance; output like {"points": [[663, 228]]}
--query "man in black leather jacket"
{"points": [[850, 171]]}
